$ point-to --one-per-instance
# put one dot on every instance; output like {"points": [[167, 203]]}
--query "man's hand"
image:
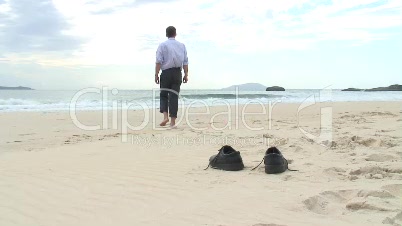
{"points": [[185, 79], [157, 69]]}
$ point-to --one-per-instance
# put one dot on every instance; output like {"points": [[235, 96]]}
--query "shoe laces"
{"points": [[214, 159], [258, 164], [287, 165]]}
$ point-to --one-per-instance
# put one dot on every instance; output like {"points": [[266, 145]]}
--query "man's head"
{"points": [[170, 32]]}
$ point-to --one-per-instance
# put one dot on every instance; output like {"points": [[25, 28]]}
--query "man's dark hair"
{"points": [[170, 32]]}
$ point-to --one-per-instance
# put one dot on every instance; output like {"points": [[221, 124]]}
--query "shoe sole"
{"points": [[230, 167], [273, 169]]}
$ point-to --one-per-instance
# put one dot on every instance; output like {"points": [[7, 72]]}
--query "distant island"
{"points": [[353, 89], [395, 87], [15, 88], [247, 87], [275, 88]]}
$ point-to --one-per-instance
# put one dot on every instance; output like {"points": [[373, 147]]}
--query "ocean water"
{"points": [[96, 99]]}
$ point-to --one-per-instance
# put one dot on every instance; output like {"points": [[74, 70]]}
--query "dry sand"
{"points": [[52, 173]]}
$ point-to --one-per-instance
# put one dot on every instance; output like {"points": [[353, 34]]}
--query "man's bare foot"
{"points": [[164, 122], [172, 126]]}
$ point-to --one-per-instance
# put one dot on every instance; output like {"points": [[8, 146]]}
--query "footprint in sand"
{"points": [[394, 189], [354, 141], [280, 141], [377, 172], [26, 134], [76, 138], [335, 172], [268, 135], [395, 221], [287, 177], [338, 202], [381, 158], [385, 130], [379, 113], [298, 149]]}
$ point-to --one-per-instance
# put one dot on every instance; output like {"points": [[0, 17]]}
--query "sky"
{"points": [[297, 44]]}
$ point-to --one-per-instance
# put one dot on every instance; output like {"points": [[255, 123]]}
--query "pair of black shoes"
{"points": [[229, 159]]}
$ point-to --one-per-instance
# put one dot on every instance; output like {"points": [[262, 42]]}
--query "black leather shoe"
{"points": [[227, 159], [274, 161]]}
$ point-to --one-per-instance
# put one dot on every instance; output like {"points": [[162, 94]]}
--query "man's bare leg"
{"points": [[173, 122], [165, 119]]}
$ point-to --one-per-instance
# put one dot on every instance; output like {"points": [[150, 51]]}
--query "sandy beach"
{"points": [[53, 173]]}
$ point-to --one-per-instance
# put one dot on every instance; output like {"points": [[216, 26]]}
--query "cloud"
{"points": [[35, 26], [128, 32], [358, 21], [108, 7], [298, 25]]}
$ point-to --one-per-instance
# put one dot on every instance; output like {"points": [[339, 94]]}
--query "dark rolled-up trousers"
{"points": [[170, 81]]}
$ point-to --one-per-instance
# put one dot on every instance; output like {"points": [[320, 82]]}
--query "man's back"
{"points": [[171, 54]]}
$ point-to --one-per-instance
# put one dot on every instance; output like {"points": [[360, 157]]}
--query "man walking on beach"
{"points": [[171, 57]]}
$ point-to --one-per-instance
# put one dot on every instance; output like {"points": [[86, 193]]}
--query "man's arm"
{"points": [[157, 69], [159, 61], [185, 66], [185, 69]]}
